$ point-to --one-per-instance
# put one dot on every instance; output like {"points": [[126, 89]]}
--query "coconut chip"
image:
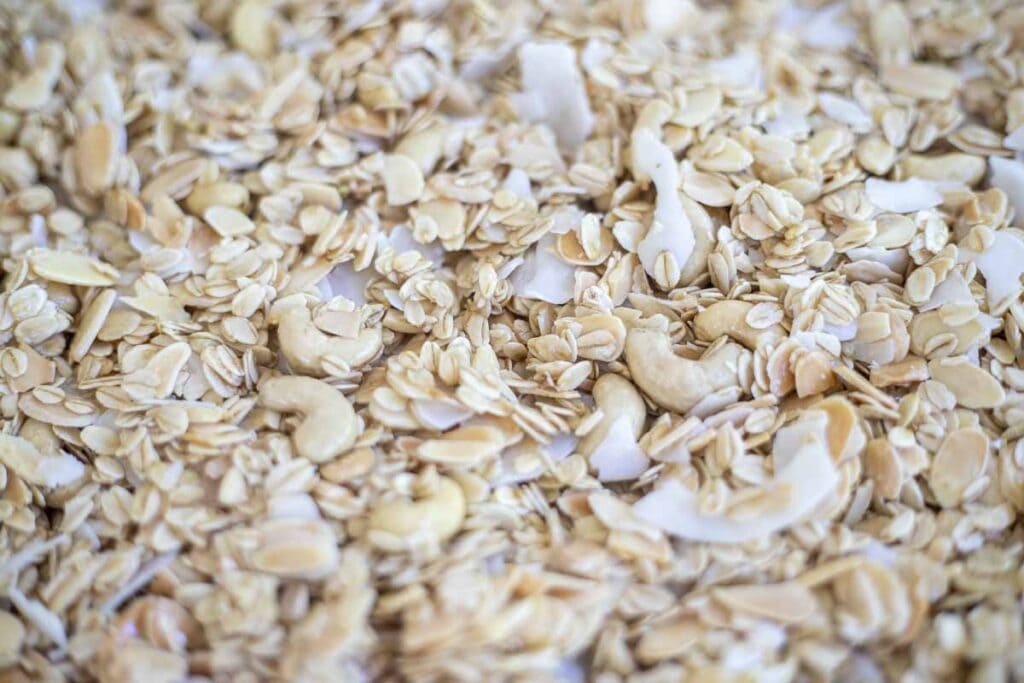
{"points": [[1008, 176], [953, 290], [808, 474], [1015, 140], [902, 197], [619, 457], [845, 110], [544, 275], [554, 92], [670, 230], [1002, 264]]}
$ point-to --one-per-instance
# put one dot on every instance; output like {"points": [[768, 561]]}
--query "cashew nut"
{"points": [[329, 427], [440, 513], [304, 346], [673, 382], [730, 318], [615, 396]]}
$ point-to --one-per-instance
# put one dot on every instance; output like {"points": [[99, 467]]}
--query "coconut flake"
{"points": [[1002, 264], [845, 110], [741, 69], [953, 290], [518, 183], [344, 280], [47, 623], [907, 196], [1015, 140], [553, 84], [1008, 176], [544, 275], [809, 474], [842, 332], [817, 28], [619, 457], [670, 230]]}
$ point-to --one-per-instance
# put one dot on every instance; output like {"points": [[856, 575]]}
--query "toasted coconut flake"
{"points": [[809, 476], [552, 79], [619, 457], [902, 197]]}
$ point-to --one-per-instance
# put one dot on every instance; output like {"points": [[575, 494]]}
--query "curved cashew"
{"points": [[441, 513], [329, 427], [304, 346], [677, 383], [615, 396], [730, 318]]}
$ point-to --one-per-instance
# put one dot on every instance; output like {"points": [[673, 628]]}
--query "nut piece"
{"points": [[677, 383], [439, 514], [730, 318], [304, 346], [615, 396], [330, 426]]}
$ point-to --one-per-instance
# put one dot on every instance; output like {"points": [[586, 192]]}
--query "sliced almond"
{"points": [[72, 268], [972, 386]]}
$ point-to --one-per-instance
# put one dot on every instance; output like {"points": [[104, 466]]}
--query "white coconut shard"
{"points": [[49, 471], [670, 230], [1002, 264], [906, 196], [619, 457], [845, 110], [1015, 140], [544, 275], [553, 85], [953, 290], [804, 475], [1008, 176]]}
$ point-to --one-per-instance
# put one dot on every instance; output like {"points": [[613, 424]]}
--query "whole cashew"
{"points": [[730, 318], [615, 396], [441, 513], [304, 346], [673, 382], [329, 427]]}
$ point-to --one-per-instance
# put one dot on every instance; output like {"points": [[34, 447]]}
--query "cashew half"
{"points": [[615, 396], [673, 382], [730, 318], [304, 346], [329, 427], [440, 513]]}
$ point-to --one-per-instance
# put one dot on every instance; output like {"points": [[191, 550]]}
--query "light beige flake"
{"points": [[972, 386], [72, 268], [12, 635], [786, 603], [228, 222], [25, 460], [403, 179], [922, 81], [295, 548], [959, 462], [463, 446], [96, 157]]}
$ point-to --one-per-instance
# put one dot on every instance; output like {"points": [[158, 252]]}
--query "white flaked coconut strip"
{"points": [[1002, 264], [49, 471], [1015, 140], [48, 623], [141, 578], [619, 457], [1008, 176], [845, 110], [670, 230], [808, 474], [554, 91], [952, 290], [439, 414], [906, 196], [544, 275]]}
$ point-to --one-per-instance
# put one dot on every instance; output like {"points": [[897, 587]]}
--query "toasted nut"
{"points": [[614, 396], [440, 514], [305, 346], [730, 318], [676, 383], [330, 424]]}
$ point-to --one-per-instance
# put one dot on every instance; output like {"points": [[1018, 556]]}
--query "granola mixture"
{"points": [[509, 340]]}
